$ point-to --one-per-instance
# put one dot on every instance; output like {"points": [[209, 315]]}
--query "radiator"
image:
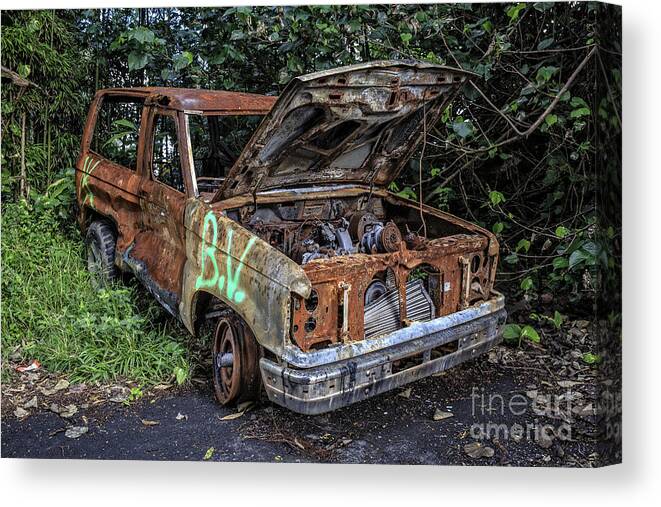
{"points": [[382, 315]]}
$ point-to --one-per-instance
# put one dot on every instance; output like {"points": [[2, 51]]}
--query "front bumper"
{"points": [[321, 381]]}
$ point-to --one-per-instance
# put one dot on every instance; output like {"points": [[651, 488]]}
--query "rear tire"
{"points": [[239, 380], [100, 245]]}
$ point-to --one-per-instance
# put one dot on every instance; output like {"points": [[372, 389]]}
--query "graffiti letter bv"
{"points": [[228, 281]]}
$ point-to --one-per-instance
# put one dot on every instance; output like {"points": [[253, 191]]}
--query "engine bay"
{"points": [[309, 230], [372, 267]]}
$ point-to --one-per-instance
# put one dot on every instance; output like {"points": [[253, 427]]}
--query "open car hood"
{"points": [[357, 124]]}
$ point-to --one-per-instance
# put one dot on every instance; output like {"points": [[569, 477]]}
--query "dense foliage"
{"points": [[50, 310], [530, 149]]}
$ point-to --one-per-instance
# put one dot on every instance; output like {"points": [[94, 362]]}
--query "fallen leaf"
{"points": [[208, 454], [476, 450], [61, 384], [21, 413], [181, 416], [68, 411], [54, 407], [162, 387], [245, 406], [229, 417], [439, 415], [75, 431], [32, 403], [406, 393], [147, 422]]}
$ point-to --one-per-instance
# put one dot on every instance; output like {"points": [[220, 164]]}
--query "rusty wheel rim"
{"points": [[227, 379]]}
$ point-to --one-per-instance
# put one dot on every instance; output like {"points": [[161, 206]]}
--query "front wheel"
{"points": [[235, 362]]}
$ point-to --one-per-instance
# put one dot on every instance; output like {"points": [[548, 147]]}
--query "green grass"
{"points": [[51, 312]]}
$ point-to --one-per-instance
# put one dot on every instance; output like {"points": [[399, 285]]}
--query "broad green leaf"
{"points": [[463, 128], [498, 227], [406, 37], [590, 358], [530, 333], [496, 197], [545, 73], [527, 283], [138, 60], [141, 34], [561, 231], [512, 258], [578, 102], [551, 120], [560, 263], [523, 244], [514, 11], [511, 332], [580, 112], [182, 60], [545, 43]]}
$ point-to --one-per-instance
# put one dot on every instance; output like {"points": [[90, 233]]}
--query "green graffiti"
{"points": [[88, 167], [229, 281]]}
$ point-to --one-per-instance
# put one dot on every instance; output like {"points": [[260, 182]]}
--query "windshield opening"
{"points": [[216, 143]]}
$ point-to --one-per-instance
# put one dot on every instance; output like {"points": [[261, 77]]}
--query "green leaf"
{"points": [[180, 374], [182, 60], [527, 283], [514, 11], [558, 319], [523, 244], [406, 37], [545, 73], [551, 120], [496, 197], [463, 128], [23, 70], [580, 112], [208, 455], [590, 358], [561, 231], [530, 333], [138, 60], [545, 43], [576, 258], [498, 227], [141, 34], [511, 332], [578, 102], [560, 263], [512, 258]]}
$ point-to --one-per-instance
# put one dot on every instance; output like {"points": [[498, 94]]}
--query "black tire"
{"points": [[100, 248], [241, 381]]}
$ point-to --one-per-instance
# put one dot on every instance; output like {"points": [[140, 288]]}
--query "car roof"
{"points": [[199, 100]]}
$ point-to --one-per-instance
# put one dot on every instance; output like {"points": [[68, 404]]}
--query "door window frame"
{"points": [[183, 146], [91, 126]]}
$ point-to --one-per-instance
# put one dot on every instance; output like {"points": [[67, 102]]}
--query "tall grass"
{"points": [[51, 312]]}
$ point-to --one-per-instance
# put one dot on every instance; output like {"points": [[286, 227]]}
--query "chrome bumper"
{"points": [[327, 379]]}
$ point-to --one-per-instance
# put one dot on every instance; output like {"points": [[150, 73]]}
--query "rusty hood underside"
{"points": [[357, 124]]}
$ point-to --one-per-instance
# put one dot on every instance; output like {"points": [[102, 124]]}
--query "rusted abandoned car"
{"points": [[270, 217]]}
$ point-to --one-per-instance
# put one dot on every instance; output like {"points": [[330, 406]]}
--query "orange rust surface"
{"points": [[359, 270]]}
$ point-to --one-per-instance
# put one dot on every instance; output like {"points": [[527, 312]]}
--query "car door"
{"points": [[108, 171], [158, 254]]}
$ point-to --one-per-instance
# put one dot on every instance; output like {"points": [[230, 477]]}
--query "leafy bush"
{"points": [[51, 312]]}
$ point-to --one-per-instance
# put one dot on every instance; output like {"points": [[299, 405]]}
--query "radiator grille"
{"points": [[382, 315]]}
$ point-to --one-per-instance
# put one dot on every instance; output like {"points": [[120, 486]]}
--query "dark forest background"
{"points": [[530, 150]]}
